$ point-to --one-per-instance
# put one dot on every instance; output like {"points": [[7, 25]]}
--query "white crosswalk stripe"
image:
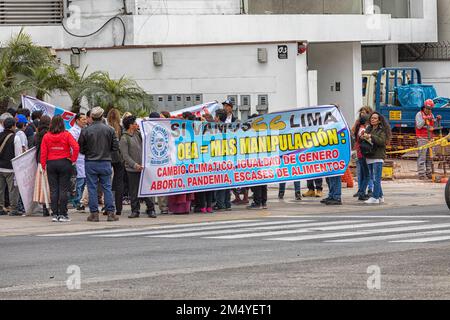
{"points": [[362, 232], [304, 228], [423, 240], [173, 226], [308, 230], [240, 225], [393, 236]]}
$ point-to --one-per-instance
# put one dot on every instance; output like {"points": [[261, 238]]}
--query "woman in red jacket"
{"points": [[59, 151]]}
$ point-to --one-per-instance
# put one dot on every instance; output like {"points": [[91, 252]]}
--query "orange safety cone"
{"points": [[348, 178]]}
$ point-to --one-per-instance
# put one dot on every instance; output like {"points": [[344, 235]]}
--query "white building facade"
{"points": [[189, 51]]}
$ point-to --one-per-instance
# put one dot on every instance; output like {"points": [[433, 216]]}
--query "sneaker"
{"points": [[310, 193], [382, 200], [64, 219], [209, 210], [298, 196], [165, 212], [80, 207], [370, 193], [254, 206], [333, 202], [363, 198], [264, 205], [324, 201], [372, 201], [281, 195], [203, 210], [356, 195], [55, 219]]}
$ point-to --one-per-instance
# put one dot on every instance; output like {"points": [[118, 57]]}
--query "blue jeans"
{"points": [[99, 171], [363, 176], [81, 182], [376, 171], [335, 188], [282, 187]]}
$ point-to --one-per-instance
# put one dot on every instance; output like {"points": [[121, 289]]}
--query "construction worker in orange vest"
{"points": [[425, 122]]}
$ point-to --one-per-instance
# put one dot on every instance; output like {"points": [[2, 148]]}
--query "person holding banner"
{"points": [[10, 147], [59, 151], [131, 150], [223, 197]]}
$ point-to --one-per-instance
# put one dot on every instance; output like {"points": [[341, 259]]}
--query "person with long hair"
{"points": [[39, 195], [117, 162], [59, 151], [379, 134], [363, 115]]}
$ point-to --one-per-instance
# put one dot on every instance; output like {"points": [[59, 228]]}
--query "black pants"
{"points": [[317, 182], [260, 195], [59, 173], [205, 199], [133, 189], [117, 185]]}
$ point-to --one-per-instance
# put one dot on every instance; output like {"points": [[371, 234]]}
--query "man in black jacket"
{"points": [[10, 147], [97, 142]]}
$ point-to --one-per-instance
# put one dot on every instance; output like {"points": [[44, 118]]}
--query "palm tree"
{"points": [[77, 85], [43, 80], [123, 94], [17, 61]]}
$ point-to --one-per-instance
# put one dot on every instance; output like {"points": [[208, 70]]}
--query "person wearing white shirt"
{"points": [[228, 107], [21, 126], [75, 131]]}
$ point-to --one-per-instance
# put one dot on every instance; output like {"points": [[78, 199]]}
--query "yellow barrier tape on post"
{"points": [[440, 142]]}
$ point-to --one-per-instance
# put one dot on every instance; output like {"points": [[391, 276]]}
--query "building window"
{"points": [[26, 12], [439, 51]]}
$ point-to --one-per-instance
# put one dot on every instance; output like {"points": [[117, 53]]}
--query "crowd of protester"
{"points": [[98, 163]]}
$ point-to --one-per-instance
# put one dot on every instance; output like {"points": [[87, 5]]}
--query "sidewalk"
{"points": [[398, 194]]}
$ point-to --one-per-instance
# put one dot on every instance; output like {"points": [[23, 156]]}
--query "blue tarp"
{"points": [[414, 95]]}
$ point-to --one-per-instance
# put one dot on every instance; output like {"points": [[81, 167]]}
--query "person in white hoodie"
{"points": [[75, 131]]}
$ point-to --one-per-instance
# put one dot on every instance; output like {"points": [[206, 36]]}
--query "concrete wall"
{"points": [[215, 72], [444, 20], [338, 63]]}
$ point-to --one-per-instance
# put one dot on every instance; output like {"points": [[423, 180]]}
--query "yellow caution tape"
{"points": [[443, 142]]}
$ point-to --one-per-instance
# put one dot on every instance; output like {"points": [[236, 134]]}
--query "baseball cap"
{"points": [[228, 102], [21, 118]]}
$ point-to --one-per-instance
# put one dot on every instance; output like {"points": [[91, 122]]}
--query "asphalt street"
{"points": [[393, 253]]}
